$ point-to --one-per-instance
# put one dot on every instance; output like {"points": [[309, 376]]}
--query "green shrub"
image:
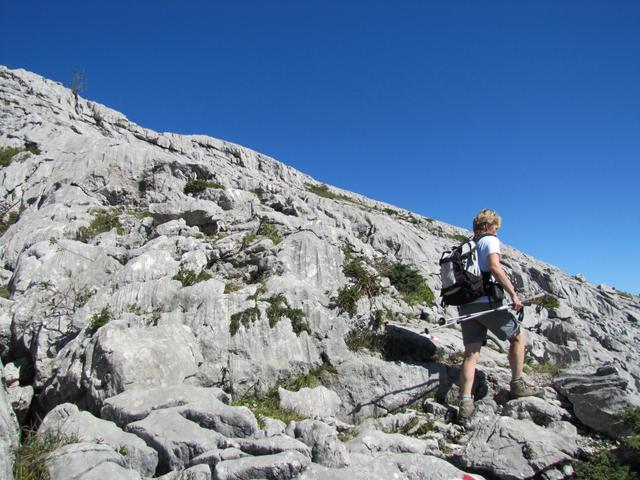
{"points": [[347, 300], [245, 318], [103, 221], [323, 191], [100, 319], [365, 281], [458, 237], [231, 287], [362, 337], [270, 231], [411, 285], [30, 456], [632, 417], [548, 301], [189, 278], [603, 466], [196, 186], [7, 154], [267, 406], [7, 220], [279, 307], [5, 292], [549, 368]]}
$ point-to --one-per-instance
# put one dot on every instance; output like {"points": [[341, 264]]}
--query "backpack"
{"points": [[462, 280]]}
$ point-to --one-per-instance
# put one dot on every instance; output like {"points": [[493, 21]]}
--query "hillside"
{"points": [[178, 297]]}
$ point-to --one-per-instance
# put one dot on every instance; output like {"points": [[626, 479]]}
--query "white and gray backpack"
{"points": [[460, 273]]}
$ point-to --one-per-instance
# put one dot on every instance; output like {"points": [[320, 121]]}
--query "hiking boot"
{"points": [[520, 389], [466, 409]]}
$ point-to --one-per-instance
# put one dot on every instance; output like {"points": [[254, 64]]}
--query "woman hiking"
{"points": [[503, 323]]}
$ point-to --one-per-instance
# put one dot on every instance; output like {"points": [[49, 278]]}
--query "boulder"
{"points": [[88, 461], [136, 404], [272, 445], [599, 398], [9, 436], [281, 466], [68, 420], [373, 441], [539, 411], [326, 448], [518, 449], [311, 402], [176, 439], [397, 466]]}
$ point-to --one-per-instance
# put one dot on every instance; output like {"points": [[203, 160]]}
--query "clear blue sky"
{"points": [[440, 107]]}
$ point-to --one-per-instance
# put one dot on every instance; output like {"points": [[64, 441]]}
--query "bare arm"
{"points": [[499, 274]]}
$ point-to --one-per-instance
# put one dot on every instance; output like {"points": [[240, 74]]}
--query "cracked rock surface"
{"points": [[178, 306]]}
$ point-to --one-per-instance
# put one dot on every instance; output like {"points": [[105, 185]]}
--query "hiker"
{"points": [[503, 324]]}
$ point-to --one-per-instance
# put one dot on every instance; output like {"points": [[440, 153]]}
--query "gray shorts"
{"points": [[503, 324]]}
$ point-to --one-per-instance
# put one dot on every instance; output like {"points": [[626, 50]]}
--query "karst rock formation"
{"points": [[177, 306]]}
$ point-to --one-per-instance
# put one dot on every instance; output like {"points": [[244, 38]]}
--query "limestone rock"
{"points": [[399, 466], [371, 441], [515, 449], [540, 411], [599, 398], [311, 402], [135, 404], [326, 448], [68, 420], [20, 399], [9, 436], [88, 461], [281, 466], [176, 439], [272, 445]]}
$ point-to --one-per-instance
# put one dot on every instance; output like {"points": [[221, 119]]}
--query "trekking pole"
{"points": [[442, 322]]}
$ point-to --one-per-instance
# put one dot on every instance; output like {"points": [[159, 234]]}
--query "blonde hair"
{"points": [[484, 219]]}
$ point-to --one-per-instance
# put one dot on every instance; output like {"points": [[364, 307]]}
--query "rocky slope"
{"points": [[168, 297]]}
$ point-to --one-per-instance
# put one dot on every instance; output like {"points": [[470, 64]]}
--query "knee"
{"points": [[518, 337]]}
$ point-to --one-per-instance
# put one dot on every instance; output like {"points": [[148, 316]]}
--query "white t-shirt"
{"points": [[485, 247]]}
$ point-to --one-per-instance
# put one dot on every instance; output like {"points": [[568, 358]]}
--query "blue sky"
{"points": [[443, 108]]}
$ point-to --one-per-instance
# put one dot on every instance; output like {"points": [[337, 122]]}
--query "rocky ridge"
{"points": [[171, 299]]}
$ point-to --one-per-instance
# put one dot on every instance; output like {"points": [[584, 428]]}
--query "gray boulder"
{"points": [[176, 439], [9, 436], [272, 445], [397, 466], [326, 448], [375, 441], [20, 398], [540, 411], [136, 404], [598, 399], [516, 449], [311, 402], [281, 466], [68, 420], [88, 461]]}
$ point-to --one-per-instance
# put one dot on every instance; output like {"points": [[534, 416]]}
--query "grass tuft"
{"points": [[189, 278], [196, 186], [103, 221], [31, 455]]}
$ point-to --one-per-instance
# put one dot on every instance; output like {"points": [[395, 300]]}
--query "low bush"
{"points": [[189, 278], [279, 307], [103, 221], [548, 301], [7, 154], [100, 319], [411, 285], [603, 466], [347, 300], [30, 456], [270, 231], [323, 191], [196, 186], [246, 317]]}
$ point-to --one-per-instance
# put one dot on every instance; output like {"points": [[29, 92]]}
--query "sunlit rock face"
{"points": [[153, 278]]}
